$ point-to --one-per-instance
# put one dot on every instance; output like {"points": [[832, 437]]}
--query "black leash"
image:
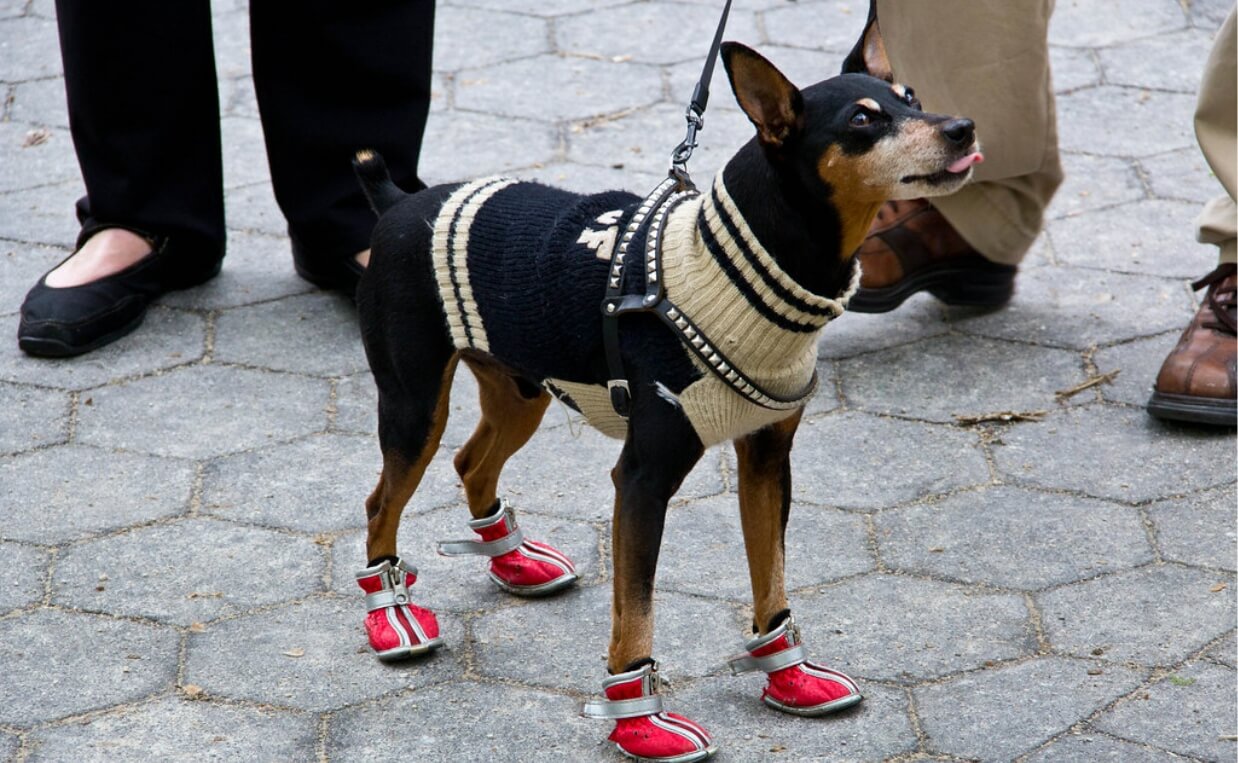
{"points": [[677, 187]]}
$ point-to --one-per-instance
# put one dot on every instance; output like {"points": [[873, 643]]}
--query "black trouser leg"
{"points": [[144, 113], [331, 78]]}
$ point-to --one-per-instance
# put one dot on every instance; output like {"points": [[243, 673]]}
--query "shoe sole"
{"points": [[980, 283], [833, 706], [535, 591], [1194, 410], [401, 653], [688, 757]]}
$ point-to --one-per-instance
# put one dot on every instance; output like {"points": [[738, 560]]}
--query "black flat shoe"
{"points": [[342, 275], [63, 322]]}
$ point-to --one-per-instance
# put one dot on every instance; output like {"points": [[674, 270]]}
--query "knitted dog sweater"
{"points": [[521, 270]]}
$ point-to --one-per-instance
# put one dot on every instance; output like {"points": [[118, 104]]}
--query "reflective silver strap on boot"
{"points": [[787, 658], [383, 599], [611, 710], [498, 547]]}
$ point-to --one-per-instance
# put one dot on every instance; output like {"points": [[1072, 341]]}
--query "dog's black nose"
{"points": [[960, 131]]}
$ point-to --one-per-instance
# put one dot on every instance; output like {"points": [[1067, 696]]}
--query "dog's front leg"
{"points": [[660, 450], [795, 685]]}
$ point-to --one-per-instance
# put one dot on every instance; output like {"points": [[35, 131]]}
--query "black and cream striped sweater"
{"points": [[521, 269]]}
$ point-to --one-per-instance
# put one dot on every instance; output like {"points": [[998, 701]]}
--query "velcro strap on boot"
{"points": [[506, 544], [770, 663], [614, 709]]}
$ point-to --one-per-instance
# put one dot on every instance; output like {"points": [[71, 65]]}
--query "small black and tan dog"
{"points": [[739, 281]]}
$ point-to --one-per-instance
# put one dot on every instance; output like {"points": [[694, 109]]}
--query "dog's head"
{"points": [[861, 134]]}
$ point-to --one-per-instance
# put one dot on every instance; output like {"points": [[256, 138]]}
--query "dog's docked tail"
{"points": [[381, 191]]}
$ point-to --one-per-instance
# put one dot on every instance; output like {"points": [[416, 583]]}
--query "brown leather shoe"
{"points": [[912, 248], [1196, 382]]}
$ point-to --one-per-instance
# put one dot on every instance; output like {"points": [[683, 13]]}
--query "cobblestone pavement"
{"points": [[180, 513]]}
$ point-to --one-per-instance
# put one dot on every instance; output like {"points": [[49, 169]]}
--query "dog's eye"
{"points": [[909, 97], [861, 119]]}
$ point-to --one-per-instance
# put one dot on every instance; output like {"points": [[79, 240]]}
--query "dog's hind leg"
{"points": [[660, 450], [511, 409], [795, 685], [412, 412]]}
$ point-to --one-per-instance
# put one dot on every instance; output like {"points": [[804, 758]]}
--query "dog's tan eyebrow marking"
{"points": [[870, 104], [899, 90]]}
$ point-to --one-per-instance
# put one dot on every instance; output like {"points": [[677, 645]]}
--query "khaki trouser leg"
{"points": [[1217, 131], [987, 60]]}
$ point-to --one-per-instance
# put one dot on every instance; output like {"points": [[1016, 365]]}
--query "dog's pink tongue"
{"points": [[961, 165]]}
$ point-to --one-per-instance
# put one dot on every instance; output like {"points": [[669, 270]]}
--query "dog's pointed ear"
{"points": [[869, 54], [774, 105]]}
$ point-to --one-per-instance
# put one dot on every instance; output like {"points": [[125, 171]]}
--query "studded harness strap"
{"points": [[652, 214]]}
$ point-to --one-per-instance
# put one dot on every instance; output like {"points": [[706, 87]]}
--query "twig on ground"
{"points": [[1002, 416], [1105, 378]]}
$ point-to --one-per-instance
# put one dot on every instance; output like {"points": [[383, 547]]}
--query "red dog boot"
{"points": [[519, 566], [397, 628], [796, 685], [642, 730]]}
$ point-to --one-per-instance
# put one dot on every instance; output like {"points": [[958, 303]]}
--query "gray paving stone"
{"points": [[1199, 529], [655, 33], [825, 399], [237, 97], [1073, 68], [550, 87], [1155, 615], [24, 164], [253, 208], [703, 549], [566, 471], [247, 658], [244, 152], [1080, 307], [203, 411], [939, 378], [745, 729], [186, 572], [1165, 62], [166, 339], [231, 37], [1181, 174], [522, 36], [583, 178], [59, 664], [12, 8], [8, 746], [1191, 712], [965, 716], [1226, 653], [21, 265], [1120, 121], [692, 638], [823, 26], [468, 722], [68, 492], [1144, 459], [1101, 749], [256, 269], [27, 48], [31, 418], [315, 485], [855, 333], [1107, 22], [1208, 14], [881, 462], [172, 729], [465, 145], [461, 584], [1139, 363], [42, 215], [311, 333], [1013, 537], [1094, 182], [1154, 237], [642, 140], [547, 8], [22, 570], [860, 627], [40, 102]]}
